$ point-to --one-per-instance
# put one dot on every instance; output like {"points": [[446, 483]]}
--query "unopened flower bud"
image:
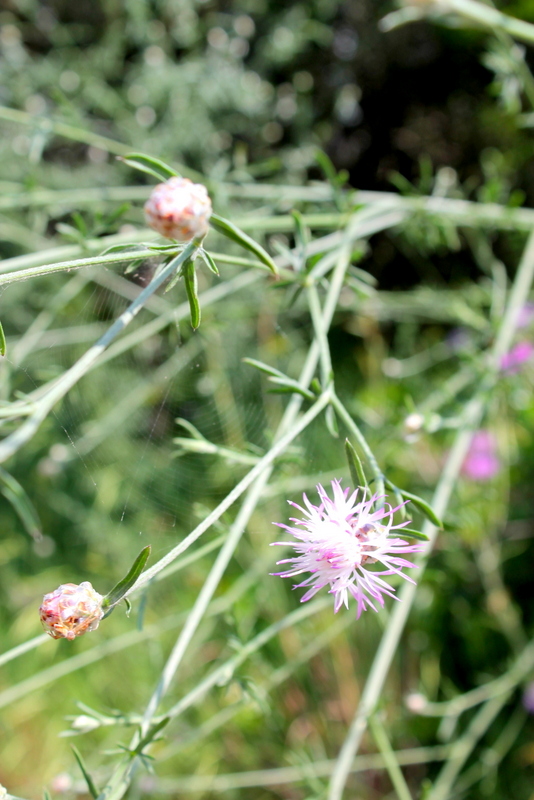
{"points": [[62, 783], [179, 209], [416, 702], [71, 610], [84, 723], [413, 423]]}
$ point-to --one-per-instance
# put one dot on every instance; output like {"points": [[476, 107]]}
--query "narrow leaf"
{"points": [[118, 591], [210, 263], [165, 248], [124, 248], [2, 341], [152, 166], [326, 165], [22, 505], [357, 473], [331, 422], [195, 433], [411, 534], [286, 385], [421, 504], [191, 288], [153, 730], [174, 280], [89, 781], [302, 234], [264, 367], [234, 233]]}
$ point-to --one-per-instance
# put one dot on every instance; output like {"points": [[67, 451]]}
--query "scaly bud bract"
{"points": [[71, 610], [179, 209]]}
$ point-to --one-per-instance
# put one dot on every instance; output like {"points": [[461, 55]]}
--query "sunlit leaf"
{"points": [[120, 589], [234, 233], [152, 166]]}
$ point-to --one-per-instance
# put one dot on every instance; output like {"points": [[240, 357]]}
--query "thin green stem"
{"points": [[279, 676], [320, 336], [390, 760], [462, 748], [491, 18], [31, 644], [282, 776], [24, 433], [65, 130], [504, 684], [237, 529], [79, 263], [124, 774], [235, 493], [360, 438], [390, 640], [120, 643]]}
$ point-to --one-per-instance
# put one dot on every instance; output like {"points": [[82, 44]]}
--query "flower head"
{"points": [[481, 462], [337, 542], [179, 209], [71, 610]]}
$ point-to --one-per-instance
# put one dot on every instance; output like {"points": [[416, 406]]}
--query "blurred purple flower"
{"points": [[458, 339], [528, 698], [511, 362], [338, 541], [481, 462], [526, 315]]}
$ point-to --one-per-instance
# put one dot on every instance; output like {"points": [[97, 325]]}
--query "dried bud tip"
{"points": [[71, 610], [416, 702], [413, 423], [179, 209]]}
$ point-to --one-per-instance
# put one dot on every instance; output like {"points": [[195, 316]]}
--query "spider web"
{"points": [[109, 444]]}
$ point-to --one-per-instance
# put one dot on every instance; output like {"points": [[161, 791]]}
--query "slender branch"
{"points": [[390, 760], [24, 433], [78, 263], [362, 441], [236, 492], [287, 424], [320, 335], [444, 489], [286, 775]]}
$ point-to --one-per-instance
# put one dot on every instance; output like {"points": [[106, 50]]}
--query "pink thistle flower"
{"points": [[179, 209], [481, 462], [71, 610], [338, 540], [512, 361]]}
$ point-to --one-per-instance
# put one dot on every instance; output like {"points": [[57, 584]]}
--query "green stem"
{"points": [[280, 776], [43, 406], [390, 640], [390, 760], [491, 18], [65, 130], [320, 336], [79, 263], [360, 438]]}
